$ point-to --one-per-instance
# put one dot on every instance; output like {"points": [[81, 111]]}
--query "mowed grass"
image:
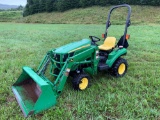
{"points": [[134, 96]]}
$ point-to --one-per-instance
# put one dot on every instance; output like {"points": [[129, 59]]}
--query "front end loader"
{"points": [[35, 92]]}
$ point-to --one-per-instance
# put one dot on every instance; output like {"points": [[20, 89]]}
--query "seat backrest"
{"points": [[120, 42], [110, 42]]}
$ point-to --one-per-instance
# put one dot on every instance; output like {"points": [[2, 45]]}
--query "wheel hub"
{"points": [[121, 68], [83, 84]]}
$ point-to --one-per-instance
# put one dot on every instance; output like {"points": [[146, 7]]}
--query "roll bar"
{"points": [[128, 22]]}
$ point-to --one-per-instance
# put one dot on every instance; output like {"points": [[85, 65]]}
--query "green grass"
{"points": [[96, 15], [92, 15], [8, 16], [134, 96]]}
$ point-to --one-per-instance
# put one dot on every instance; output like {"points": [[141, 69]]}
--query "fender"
{"points": [[114, 55]]}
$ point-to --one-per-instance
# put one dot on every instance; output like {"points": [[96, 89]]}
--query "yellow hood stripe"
{"points": [[79, 48]]}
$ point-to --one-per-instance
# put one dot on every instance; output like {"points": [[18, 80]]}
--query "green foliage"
{"points": [[36, 6], [86, 3], [26, 11], [30, 2], [20, 8], [42, 5], [31, 9], [101, 2], [49, 5], [63, 5]]}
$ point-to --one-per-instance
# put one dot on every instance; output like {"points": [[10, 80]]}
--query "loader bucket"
{"points": [[33, 93]]}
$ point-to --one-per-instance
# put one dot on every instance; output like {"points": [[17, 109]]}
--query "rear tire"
{"points": [[119, 68], [81, 81]]}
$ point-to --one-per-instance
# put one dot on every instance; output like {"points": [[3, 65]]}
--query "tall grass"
{"points": [[9, 16], [98, 15], [91, 15], [134, 96]]}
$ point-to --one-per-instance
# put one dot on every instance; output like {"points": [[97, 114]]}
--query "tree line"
{"points": [[19, 8], [39, 6]]}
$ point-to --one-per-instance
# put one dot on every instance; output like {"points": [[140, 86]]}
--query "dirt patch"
{"points": [[10, 99], [39, 116], [69, 106]]}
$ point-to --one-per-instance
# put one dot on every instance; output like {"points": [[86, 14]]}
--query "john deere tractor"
{"points": [[35, 92]]}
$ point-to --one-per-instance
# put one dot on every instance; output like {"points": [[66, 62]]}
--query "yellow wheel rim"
{"points": [[83, 84], [121, 68]]}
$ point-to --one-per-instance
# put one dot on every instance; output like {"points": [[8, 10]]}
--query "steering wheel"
{"points": [[94, 39]]}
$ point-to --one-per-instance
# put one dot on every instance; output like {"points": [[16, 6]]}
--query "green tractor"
{"points": [[35, 92]]}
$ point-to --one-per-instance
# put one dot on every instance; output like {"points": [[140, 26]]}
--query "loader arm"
{"points": [[35, 92], [70, 62]]}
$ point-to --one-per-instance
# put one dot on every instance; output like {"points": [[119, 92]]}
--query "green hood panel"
{"points": [[74, 46]]}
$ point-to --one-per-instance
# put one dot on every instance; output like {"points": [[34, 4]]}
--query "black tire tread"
{"points": [[114, 69], [77, 79]]}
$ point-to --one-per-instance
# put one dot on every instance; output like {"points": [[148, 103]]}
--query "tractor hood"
{"points": [[74, 46]]}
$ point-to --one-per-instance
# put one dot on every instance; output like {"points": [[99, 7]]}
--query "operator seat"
{"points": [[108, 44]]}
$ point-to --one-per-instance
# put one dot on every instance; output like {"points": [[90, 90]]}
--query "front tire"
{"points": [[119, 68], [81, 81]]}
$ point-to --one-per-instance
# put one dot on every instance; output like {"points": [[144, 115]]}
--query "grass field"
{"points": [[134, 96], [10, 16], [92, 15], [97, 15]]}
